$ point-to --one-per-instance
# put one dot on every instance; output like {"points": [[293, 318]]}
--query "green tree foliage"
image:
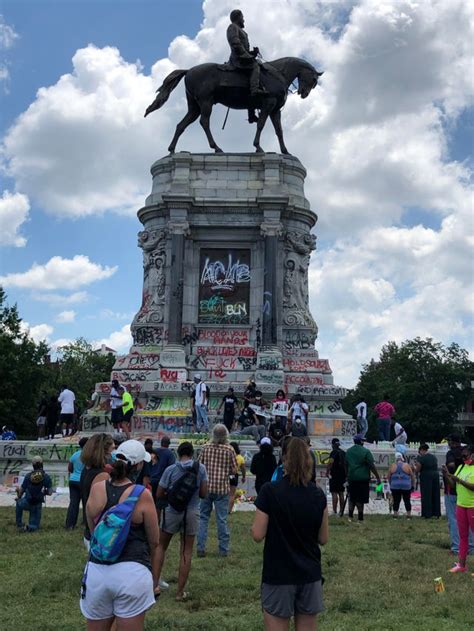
{"points": [[27, 372], [23, 370], [428, 383], [80, 368]]}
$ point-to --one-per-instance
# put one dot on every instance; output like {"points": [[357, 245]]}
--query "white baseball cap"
{"points": [[265, 441], [133, 452]]}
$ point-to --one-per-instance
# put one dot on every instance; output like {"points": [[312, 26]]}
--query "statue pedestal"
{"points": [[226, 247]]}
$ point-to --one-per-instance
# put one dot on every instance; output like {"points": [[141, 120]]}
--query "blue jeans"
{"points": [[221, 504], [383, 425], [201, 418], [363, 426], [34, 510], [450, 505]]}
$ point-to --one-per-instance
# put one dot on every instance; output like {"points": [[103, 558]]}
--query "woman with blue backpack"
{"points": [[121, 577], [402, 480]]}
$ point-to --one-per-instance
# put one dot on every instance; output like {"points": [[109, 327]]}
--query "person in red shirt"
{"points": [[384, 410]]}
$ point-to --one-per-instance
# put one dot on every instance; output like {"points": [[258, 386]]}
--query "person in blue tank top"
{"points": [[75, 467], [402, 480]]}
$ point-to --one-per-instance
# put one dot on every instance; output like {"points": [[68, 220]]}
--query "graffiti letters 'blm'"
{"points": [[224, 286]]}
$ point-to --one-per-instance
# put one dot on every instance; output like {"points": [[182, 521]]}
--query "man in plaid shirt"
{"points": [[219, 459]]}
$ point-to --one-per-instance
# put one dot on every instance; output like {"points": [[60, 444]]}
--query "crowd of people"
{"points": [[136, 497], [166, 497]]}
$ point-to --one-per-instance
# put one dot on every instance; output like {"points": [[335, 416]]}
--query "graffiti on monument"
{"points": [[298, 340], [303, 364], [224, 286], [234, 337], [138, 361], [322, 391], [177, 425], [349, 427], [97, 423], [149, 335], [306, 380]]}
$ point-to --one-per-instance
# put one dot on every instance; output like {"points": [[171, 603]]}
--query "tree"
{"points": [[79, 367], [23, 367], [427, 382]]}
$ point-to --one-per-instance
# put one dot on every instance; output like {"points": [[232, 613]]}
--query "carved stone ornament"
{"points": [[153, 244], [298, 248]]}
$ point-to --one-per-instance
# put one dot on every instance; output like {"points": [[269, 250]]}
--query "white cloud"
{"points": [[83, 145], [59, 273], [107, 314], [66, 316], [374, 136], [120, 340], [8, 36], [39, 332], [14, 208], [59, 299]]}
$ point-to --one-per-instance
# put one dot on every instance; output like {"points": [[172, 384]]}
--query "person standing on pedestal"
{"points": [[384, 410], [201, 403], [362, 424]]}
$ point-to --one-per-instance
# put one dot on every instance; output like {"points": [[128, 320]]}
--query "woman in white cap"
{"points": [[124, 589]]}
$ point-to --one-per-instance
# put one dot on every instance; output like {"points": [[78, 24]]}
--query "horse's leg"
{"points": [[206, 109], [191, 116], [262, 119], [276, 120]]}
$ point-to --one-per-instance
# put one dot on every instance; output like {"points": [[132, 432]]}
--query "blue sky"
{"points": [[386, 138]]}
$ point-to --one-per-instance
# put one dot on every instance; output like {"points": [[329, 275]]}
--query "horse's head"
{"points": [[307, 80]]}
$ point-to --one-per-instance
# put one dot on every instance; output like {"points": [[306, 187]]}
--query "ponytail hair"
{"points": [[298, 463], [120, 469]]}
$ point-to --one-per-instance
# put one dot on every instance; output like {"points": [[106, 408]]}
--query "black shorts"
{"points": [[127, 417], [336, 485], [67, 419], [234, 480], [359, 492], [116, 416], [284, 601]]}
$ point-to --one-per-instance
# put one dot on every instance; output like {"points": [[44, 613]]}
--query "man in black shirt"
{"points": [[453, 461], [250, 425], [229, 401], [275, 432], [336, 472]]}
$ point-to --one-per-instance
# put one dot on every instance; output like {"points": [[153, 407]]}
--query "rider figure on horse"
{"points": [[242, 57]]}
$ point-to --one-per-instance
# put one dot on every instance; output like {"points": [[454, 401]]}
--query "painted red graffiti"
{"points": [[300, 365], [226, 351], [304, 380], [172, 375], [234, 337]]}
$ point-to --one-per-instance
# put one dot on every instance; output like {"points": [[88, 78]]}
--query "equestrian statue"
{"points": [[244, 83]]}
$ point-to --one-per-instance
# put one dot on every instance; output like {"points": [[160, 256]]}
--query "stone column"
{"points": [[269, 359], [173, 355], [270, 232]]}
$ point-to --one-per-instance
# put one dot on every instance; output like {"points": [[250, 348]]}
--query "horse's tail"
{"points": [[165, 90]]}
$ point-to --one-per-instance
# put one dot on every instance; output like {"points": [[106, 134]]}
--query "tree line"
{"points": [[28, 372]]}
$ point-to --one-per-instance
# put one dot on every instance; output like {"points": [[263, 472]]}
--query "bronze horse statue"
{"points": [[208, 84]]}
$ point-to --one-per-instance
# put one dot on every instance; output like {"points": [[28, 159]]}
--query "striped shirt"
{"points": [[220, 463]]}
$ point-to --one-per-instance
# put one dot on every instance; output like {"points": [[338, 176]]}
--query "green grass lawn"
{"points": [[379, 577]]}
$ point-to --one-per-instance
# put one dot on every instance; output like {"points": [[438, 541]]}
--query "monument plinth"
{"points": [[226, 245]]}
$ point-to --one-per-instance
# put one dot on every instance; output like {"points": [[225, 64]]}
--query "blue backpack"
{"points": [[111, 531]]}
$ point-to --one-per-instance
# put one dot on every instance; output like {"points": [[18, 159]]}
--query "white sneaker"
{"points": [[163, 584]]}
